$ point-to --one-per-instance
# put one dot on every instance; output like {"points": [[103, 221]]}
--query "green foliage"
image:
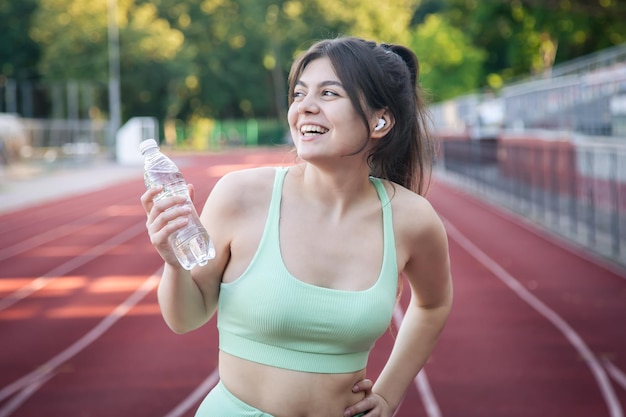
{"points": [[523, 37], [185, 59], [18, 53], [449, 74], [383, 21], [74, 39]]}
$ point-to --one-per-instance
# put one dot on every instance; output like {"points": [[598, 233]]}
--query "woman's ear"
{"points": [[383, 123]]}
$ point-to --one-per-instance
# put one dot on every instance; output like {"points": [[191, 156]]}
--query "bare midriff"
{"points": [[287, 393]]}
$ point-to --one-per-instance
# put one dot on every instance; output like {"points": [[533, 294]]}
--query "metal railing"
{"points": [[586, 95], [53, 140], [575, 190]]}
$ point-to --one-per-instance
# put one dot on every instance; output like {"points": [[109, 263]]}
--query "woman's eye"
{"points": [[329, 93], [297, 94]]}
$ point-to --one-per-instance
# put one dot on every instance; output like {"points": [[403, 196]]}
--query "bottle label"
{"points": [[173, 183]]}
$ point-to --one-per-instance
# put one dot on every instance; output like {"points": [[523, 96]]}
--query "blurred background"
{"points": [[528, 97]]}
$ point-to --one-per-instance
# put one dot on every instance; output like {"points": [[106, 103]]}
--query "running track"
{"points": [[537, 328]]}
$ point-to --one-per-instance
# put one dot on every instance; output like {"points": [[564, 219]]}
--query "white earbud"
{"points": [[381, 124]]}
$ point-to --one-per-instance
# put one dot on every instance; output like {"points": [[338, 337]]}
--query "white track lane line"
{"points": [[23, 396], [70, 265], [421, 380], [198, 394], [57, 232], [536, 229], [29, 383], [616, 373], [611, 400]]}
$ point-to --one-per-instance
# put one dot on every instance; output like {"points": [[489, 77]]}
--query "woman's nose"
{"points": [[308, 105]]}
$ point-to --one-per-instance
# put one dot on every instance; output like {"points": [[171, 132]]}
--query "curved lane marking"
{"points": [[55, 233], [70, 265], [27, 385], [610, 398], [23, 395], [616, 373]]}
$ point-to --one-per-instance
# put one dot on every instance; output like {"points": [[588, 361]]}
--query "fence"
{"points": [[51, 140], [249, 132], [587, 96], [55, 140], [575, 190]]}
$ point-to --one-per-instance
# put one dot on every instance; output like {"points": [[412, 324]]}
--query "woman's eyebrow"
{"points": [[322, 84]]}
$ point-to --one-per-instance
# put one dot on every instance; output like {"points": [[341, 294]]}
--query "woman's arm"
{"points": [[428, 274], [188, 299]]}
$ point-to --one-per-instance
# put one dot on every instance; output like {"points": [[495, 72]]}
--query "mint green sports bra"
{"points": [[269, 316]]}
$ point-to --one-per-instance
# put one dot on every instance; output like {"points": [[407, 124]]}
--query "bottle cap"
{"points": [[147, 144]]}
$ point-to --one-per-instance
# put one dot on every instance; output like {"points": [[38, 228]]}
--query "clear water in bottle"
{"points": [[191, 244]]}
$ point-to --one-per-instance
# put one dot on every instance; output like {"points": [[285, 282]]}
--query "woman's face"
{"points": [[322, 119]]}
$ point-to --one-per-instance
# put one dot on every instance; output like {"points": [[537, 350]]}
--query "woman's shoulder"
{"points": [[405, 201], [249, 178], [243, 188], [413, 214]]}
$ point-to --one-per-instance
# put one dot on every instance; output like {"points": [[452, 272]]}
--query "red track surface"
{"points": [[537, 329]]}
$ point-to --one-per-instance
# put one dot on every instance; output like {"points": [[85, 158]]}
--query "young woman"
{"points": [[309, 257]]}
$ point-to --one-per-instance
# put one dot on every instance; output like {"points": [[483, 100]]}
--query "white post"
{"points": [[115, 118]]}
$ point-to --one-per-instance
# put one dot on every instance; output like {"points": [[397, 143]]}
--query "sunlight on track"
{"points": [[43, 238], [80, 311], [61, 286], [66, 284], [59, 251], [8, 285], [570, 334], [114, 284], [83, 223], [19, 313], [27, 385], [117, 210], [70, 265]]}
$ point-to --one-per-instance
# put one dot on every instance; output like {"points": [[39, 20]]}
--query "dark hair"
{"points": [[381, 76]]}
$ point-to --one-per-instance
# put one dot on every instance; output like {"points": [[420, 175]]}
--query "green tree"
{"points": [[230, 58], [523, 37], [382, 21], [585, 26], [19, 54], [449, 64], [74, 41], [207, 58], [242, 51]]}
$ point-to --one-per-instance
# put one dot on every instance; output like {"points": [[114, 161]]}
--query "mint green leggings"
{"points": [[222, 402]]}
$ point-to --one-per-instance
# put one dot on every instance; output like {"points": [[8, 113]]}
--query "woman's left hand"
{"points": [[373, 404]]}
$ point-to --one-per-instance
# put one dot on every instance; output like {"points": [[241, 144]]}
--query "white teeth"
{"points": [[312, 130]]}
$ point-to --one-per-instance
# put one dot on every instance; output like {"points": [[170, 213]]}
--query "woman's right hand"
{"points": [[165, 217]]}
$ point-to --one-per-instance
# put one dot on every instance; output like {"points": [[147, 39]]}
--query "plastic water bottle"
{"points": [[191, 244]]}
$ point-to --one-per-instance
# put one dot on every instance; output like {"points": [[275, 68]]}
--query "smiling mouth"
{"points": [[312, 130]]}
